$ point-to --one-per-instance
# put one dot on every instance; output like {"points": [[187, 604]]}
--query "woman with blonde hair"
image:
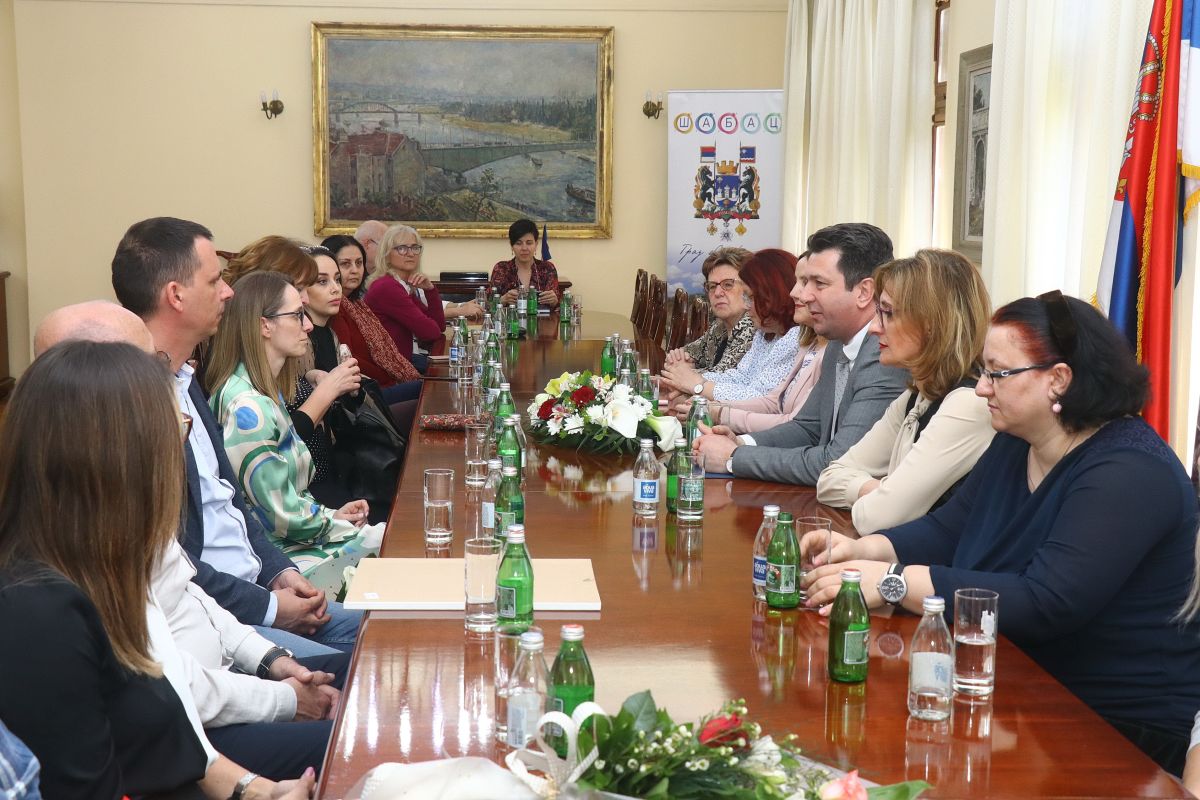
{"points": [[931, 318], [255, 355], [91, 487], [404, 299]]}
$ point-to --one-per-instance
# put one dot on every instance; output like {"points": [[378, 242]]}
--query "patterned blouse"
{"points": [[543, 276], [707, 353], [274, 466], [763, 368]]}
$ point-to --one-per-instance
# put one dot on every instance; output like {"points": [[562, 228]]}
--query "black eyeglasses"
{"points": [[884, 314], [1062, 322], [995, 375], [725, 285], [299, 314], [408, 249]]}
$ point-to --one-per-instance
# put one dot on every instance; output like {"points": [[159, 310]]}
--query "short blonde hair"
{"points": [[239, 340], [941, 295], [380, 267], [733, 256]]}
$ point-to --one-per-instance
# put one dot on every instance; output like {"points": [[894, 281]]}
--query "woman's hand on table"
{"points": [[548, 297], [355, 511], [678, 355], [682, 376], [509, 297], [822, 583]]}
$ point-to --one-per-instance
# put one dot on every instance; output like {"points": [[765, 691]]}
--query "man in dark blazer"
{"points": [[166, 271], [854, 390]]}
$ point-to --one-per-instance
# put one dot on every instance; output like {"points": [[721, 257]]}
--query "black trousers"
{"points": [[1168, 750], [281, 750]]}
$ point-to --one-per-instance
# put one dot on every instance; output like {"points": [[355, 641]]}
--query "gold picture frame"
{"points": [[458, 130]]}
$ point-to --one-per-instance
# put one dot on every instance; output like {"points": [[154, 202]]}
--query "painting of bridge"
{"points": [[460, 131]]}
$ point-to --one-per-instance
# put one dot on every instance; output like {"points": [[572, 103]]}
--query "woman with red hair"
{"points": [[768, 277]]}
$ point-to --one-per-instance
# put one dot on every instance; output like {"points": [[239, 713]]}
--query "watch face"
{"points": [[892, 588]]}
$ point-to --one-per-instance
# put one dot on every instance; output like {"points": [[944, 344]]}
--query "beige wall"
{"points": [[12, 198], [135, 109]]}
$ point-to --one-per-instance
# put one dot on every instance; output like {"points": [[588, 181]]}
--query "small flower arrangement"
{"points": [[594, 413], [642, 752]]}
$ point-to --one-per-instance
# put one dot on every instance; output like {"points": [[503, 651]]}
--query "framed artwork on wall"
{"points": [[459, 130], [970, 152]]}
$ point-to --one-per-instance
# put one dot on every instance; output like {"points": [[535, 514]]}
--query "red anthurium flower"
{"points": [[722, 730]]}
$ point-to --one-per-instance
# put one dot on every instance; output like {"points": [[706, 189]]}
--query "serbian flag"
{"points": [[708, 153], [1156, 193]]}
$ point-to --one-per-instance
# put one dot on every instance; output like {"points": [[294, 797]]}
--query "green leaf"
{"points": [[898, 791], [643, 710], [659, 789]]}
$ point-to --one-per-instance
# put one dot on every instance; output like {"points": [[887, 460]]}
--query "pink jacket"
{"points": [[781, 403], [403, 315]]}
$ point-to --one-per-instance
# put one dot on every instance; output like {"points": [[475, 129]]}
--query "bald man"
{"points": [[95, 321], [369, 235]]}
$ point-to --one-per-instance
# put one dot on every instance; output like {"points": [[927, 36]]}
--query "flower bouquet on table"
{"points": [[594, 413], [641, 752]]}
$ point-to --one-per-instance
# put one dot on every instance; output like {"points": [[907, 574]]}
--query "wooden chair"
{"points": [[641, 289], [657, 314], [698, 321], [677, 334]]}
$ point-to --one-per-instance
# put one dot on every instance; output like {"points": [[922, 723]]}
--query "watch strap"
{"points": [[242, 784], [269, 658]]}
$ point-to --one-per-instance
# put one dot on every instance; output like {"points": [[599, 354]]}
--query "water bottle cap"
{"points": [[645, 443], [504, 387], [516, 534], [851, 575], [681, 442], [572, 633], [644, 371], [509, 422], [516, 418], [933, 604], [532, 640], [510, 471], [495, 463], [770, 510], [624, 371]]}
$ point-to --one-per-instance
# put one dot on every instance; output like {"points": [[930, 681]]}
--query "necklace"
{"points": [[1035, 481]]}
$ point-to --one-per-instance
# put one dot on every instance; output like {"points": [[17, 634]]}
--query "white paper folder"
{"points": [[436, 584]]}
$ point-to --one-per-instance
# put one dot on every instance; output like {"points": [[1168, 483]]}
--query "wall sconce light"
{"points": [[274, 108], [652, 108]]}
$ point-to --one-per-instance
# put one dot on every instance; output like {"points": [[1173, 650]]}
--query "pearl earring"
{"points": [[1056, 406]]}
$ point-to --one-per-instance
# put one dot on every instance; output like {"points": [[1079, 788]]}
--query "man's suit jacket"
{"points": [[246, 601], [796, 451]]}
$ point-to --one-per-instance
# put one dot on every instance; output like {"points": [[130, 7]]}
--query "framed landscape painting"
{"points": [[458, 131]]}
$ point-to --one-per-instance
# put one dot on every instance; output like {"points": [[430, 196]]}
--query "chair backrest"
{"points": [[698, 321], [677, 333], [657, 321], [641, 288]]}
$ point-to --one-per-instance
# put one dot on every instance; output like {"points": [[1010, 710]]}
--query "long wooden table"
{"points": [[678, 618]]}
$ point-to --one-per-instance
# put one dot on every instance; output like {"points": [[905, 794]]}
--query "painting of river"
{"points": [[460, 131]]}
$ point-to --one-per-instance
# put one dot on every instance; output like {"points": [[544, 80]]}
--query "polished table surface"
{"points": [[678, 618]]}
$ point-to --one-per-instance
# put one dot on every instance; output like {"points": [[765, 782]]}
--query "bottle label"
{"points": [[454, 354], [504, 519], [506, 602], [931, 670], [510, 460], [760, 571], [855, 645], [488, 514], [524, 709], [645, 490], [781, 578], [691, 489]]}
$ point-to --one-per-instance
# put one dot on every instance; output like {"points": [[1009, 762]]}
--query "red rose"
{"points": [[583, 395], [547, 407], [720, 731]]}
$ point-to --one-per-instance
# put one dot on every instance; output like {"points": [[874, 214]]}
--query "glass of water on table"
{"points": [[439, 505], [477, 453], [975, 641]]}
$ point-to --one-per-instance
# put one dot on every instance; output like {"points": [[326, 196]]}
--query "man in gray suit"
{"points": [[854, 390]]}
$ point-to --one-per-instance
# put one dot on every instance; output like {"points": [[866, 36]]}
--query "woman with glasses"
{"points": [[767, 278], [523, 269], [1079, 515], [727, 339], [931, 319], [256, 355], [404, 299]]}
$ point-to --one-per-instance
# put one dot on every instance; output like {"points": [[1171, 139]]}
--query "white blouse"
{"points": [[764, 367]]}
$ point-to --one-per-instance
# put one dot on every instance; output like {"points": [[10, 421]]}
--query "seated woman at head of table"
{"points": [[1079, 515], [931, 319], [524, 270]]}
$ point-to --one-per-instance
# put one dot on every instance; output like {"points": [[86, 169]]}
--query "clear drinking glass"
{"points": [[439, 505], [805, 525], [477, 453], [690, 504], [975, 641], [482, 559]]}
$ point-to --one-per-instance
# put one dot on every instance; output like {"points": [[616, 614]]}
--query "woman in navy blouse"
{"points": [[1078, 514]]}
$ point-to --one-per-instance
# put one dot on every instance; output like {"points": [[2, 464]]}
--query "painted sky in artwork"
{"points": [[465, 68]]}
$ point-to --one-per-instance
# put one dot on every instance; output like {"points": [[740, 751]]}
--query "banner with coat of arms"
{"points": [[724, 177]]}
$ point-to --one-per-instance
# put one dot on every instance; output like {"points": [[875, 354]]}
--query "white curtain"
{"points": [[859, 89], [1062, 88]]}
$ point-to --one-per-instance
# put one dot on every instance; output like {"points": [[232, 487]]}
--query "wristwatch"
{"points": [[269, 658], [240, 789], [893, 587], [699, 388]]}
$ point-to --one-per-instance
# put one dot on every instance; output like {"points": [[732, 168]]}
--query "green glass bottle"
{"points": [[629, 357], [510, 503], [698, 414], [645, 386], [783, 565], [849, 630], [566, 308], [463, 332], [608, 359], [493, 348], [531, 305], [514, 322], [571, 681], [505, 407], [494, 303], [514, 583], [676, 466], [508, 448]]}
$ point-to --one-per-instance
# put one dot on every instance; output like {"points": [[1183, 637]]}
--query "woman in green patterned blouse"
{"points": [[252, 369]]}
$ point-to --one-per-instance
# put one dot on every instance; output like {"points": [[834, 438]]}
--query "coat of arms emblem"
{"points": [[726, 191]]}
